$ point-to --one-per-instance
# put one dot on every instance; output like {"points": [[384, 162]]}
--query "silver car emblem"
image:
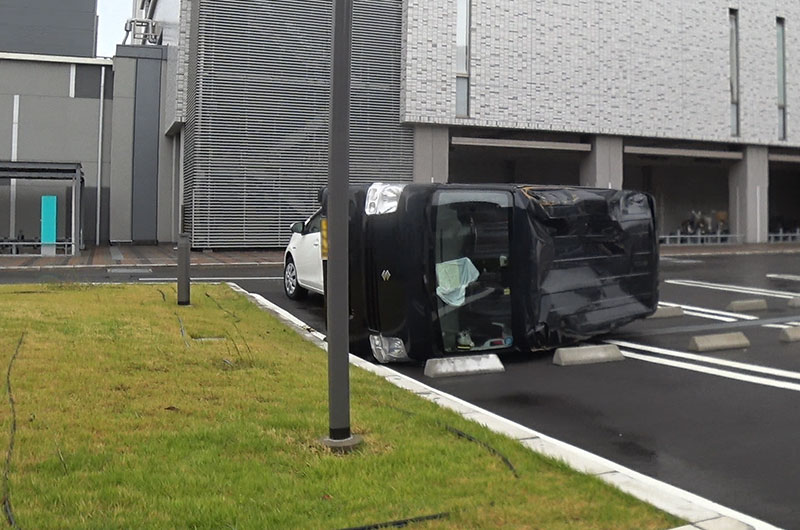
{"points": [[386, 275]]}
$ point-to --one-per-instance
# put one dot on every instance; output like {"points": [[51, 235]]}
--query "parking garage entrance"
{"points": [[515, 158], [691, 196], [784, 192]]}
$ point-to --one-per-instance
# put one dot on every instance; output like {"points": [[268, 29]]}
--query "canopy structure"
{"points": [[42, 172]]}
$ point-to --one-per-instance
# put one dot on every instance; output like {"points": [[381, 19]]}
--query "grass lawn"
{"points": [[123, 419]]}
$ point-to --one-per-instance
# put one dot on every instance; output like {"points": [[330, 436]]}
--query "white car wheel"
{"points": [[290, 285]]}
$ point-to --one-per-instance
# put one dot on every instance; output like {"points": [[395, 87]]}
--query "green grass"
{"points": [[121, 424]]}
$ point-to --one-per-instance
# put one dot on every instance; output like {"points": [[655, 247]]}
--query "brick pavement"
{"points": [[141, 255]]}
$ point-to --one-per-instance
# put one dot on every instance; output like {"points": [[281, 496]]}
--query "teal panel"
{"points": [[49, 219]]}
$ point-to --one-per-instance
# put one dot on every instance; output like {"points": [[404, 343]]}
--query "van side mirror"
{"points": [[297, 227]]}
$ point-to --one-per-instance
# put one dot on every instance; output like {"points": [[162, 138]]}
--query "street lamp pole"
{"points": [[338, 309]]}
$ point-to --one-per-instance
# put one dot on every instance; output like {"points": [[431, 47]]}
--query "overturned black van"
{"points": [[444, 269]]}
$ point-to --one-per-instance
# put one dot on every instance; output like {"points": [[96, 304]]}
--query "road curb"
{"points": [[698, 511]]}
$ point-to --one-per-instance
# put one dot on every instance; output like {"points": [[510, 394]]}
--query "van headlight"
{"points": [[382, 198], [387, 349]]}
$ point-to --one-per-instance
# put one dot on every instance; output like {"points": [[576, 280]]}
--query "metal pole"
{"points": [[184, 246], [338, 310]]}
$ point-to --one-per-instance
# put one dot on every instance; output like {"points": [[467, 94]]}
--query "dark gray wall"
{"points": [[138, 151], [51, 27], [145, 154]]}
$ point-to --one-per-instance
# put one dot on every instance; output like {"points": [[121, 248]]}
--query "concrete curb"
{"points": [[601, 353], [790, 334], [757, 304], [699, 512], [465, 365], [720, 341]]}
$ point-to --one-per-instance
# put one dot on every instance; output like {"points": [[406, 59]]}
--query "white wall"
{"points": [[656, 68]]}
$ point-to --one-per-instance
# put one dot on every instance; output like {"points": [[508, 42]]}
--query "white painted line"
{"points": [[790, 277], [739, 316], [671, 499], [709, 360], [714, 371], [734, 288], [680, 261], [214, 279]]}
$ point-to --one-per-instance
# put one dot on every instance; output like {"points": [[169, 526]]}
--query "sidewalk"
{"points": [[133, 255], [136, 255]]}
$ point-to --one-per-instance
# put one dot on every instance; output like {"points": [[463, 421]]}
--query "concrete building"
{"points": [[55, 111], [49, 27], [221, 109], [691, 101]]}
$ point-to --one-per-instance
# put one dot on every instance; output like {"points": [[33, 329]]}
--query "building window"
{"points": [[462, 58], [462, 96], [733, 17], [781, 25]]}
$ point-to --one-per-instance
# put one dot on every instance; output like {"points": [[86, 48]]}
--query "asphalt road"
{"points": [[722, 425]]}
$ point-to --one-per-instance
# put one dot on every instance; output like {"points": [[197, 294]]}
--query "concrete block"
{"points": [[720, 341], [587, 355], [794, 302], [465, 365], [791, 334], [667, 312], [757, 304]]}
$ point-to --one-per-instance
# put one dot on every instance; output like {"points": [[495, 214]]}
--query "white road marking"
{"points": [[680, 261], [734, 288], [790, 277], [716, 312], [214, 279], [714, 371], [710, 360], [712, 317]]}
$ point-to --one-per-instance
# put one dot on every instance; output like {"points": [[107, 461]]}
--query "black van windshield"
{"points": [[473, 269]]}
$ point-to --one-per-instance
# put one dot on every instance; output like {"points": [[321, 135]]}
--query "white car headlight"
{"points": [[387, 349], [382, 198]]}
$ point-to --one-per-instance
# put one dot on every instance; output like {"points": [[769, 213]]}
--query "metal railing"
{"points": [[783, 237], [32, 248], [716, 238]]}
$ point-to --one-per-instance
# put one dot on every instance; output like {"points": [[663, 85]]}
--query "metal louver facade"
{"points": [[259, 108]]}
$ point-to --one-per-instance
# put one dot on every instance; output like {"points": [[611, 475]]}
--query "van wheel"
{"points": [[290, 285]]}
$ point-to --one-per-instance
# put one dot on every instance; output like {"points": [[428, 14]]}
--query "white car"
{"points": [[302, 269]]}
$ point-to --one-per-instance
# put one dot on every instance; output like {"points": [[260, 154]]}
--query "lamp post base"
{"points": [[345, 445]]}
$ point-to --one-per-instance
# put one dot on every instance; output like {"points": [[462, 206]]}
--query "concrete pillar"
{"points": [[431, 153], [121, 178], [748, 193], [602, 167]]}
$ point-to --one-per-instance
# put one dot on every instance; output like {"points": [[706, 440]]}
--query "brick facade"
{"points": [[653, 68]]}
